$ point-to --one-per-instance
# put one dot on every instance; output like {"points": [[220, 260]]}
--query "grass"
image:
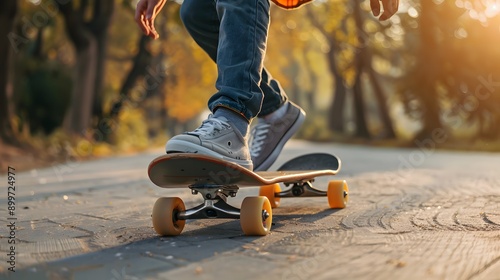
{"points": [[36, 151]]}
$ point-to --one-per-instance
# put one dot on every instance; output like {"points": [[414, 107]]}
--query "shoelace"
{"points": [[210, 125], [258, 137]]}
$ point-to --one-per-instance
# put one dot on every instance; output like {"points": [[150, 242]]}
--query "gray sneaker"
{"points": [[215, 137], [268, 138]]}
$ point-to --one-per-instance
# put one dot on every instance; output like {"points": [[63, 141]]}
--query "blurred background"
{"points": [[78, 79]]}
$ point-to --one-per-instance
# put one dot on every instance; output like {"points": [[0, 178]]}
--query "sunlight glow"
{"points": [[492, 9], [480, 9]]}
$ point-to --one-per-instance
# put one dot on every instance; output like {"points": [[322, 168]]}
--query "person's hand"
{"points": [[145, 14], [390, 8]]}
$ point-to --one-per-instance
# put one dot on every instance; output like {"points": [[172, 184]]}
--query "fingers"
{"points": [[145, 15], [150, 16], [375, 5], [152, 11], [139, 16], [390, 8]]}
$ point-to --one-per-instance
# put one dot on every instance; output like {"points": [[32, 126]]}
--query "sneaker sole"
{"points": [[177, 146], [276, 152]]}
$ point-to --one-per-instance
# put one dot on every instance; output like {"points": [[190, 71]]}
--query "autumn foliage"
{"points": [[82, 68]]}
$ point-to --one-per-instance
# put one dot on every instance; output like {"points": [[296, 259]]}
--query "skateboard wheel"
{"points": [[338, 194], [269, 192], [165, 220], [256, 216]]}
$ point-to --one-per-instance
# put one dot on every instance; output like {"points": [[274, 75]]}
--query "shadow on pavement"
{"points": [[138, 259]]}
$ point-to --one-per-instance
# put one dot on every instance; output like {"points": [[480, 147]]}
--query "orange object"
{"points": [[290, 4]]}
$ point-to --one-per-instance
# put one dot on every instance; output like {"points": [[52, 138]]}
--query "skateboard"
{"points": [[216, 180]]}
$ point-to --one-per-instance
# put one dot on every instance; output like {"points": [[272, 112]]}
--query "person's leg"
{"points": [[204, 19], [242, 44], [239, 53], [274, 95], [202, 22]]}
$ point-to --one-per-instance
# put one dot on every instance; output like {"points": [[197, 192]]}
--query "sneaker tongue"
{"points": [[209, 125]]}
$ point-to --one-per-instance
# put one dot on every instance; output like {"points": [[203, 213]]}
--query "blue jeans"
{"points": [[234, 34]]}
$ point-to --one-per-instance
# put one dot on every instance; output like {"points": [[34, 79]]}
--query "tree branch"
{"points": [[74, 24]]}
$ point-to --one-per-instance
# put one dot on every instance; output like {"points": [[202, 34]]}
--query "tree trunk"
{"points": [[79, 115], [88, 35], [99, 26], [336, 113], [361, 61], [365, 57], [359, 109], [382, 104], [8, 10], [430, 113], [428, 68], [141, 62], [101, 42]]}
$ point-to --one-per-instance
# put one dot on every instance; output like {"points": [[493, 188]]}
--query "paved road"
{"points": [[413, 214]]}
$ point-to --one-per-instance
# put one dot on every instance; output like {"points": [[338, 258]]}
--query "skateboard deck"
{"points": [[216, 180], [316, 161], [183, 170]]}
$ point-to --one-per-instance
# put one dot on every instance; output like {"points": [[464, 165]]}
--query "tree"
{"points": [[8, 10], [141, 61], [99, 26], [349, 58], [452, 81], [428, 69], [330, 30], [88, 35], [364, 58]]}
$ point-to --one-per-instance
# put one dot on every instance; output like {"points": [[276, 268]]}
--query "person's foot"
{"points": [[268, 137], [215, 137]]}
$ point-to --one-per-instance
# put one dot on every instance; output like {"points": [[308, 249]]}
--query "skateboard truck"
{"points": [[301, 189], [214, 205]]}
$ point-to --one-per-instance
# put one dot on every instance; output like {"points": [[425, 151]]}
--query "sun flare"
{"points": [[492, 8], [480, 9]]}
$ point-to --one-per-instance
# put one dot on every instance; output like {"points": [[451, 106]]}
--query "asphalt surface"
{"points": [[413, 214]]}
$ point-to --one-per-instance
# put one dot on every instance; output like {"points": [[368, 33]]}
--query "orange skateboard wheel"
{"points": [[269, 191], [338, 194], [164, 216], [256, 216]]}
